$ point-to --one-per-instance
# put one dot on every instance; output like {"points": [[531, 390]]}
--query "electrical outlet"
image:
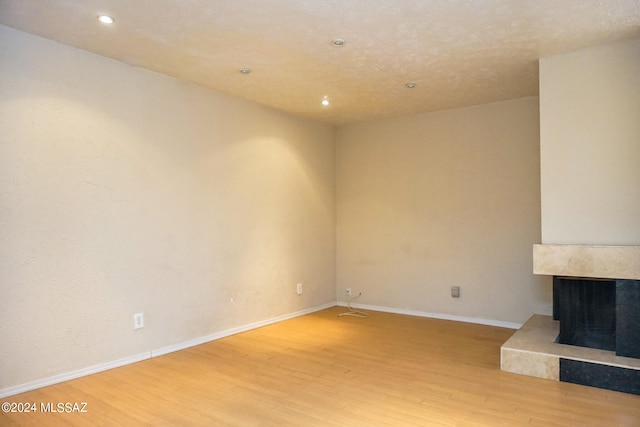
{"points": [[455, 291], [138, 320], [299, 289], [348, 292]]}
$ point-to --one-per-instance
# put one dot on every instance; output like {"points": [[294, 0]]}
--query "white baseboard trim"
{"points": [[477, 320], [233, 331], [32, 385], [21, 388]]}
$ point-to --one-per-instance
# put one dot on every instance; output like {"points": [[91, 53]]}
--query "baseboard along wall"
{"points": [[21, 388], [465, 319]]}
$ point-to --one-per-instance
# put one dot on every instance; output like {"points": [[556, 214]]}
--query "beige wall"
{"points": [[590, 146], [125, 191], [435, 200]]}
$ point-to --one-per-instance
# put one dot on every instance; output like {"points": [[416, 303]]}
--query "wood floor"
{"points": [[325, 370]]}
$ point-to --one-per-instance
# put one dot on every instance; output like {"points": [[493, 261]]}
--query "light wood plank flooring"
{"points": [[325, 370]]}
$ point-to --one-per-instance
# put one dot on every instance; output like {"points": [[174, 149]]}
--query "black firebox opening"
{"points": [[586, 310], [598, 313]]}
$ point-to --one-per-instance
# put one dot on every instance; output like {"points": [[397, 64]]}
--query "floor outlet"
{"points": [[138, 320]]}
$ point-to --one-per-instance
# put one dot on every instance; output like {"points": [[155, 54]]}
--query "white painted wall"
{"points": [[125, 191], [590, 146], [450, 198]]}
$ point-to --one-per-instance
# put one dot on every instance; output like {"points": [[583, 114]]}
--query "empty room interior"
{"points": [[306, 212]]}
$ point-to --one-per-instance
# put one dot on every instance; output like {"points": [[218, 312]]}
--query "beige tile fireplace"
{"points": [[605, 262], [532, 350], [589, 196]]}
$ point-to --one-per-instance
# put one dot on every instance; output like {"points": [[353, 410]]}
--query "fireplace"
{"points": [[593, 337]]}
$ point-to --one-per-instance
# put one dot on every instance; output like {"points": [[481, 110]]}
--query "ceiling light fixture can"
{"points": [[325, 102], [411, 85], [338, 42], [245, 70], [106, 19]]}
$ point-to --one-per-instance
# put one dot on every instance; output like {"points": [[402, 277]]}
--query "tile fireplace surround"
{"points": [[532, 350]]}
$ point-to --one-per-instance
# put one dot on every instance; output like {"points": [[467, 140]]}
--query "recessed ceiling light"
{"points": [[245, 70], [105, 19], [325, 102], [411, 85], [338, 42]]}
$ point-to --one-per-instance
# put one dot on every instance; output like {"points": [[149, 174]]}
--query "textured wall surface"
{"points": [[590, 146], [125, 191], [443, 199]]}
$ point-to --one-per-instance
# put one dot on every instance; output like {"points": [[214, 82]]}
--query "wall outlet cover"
{"points": [[138, 320]]}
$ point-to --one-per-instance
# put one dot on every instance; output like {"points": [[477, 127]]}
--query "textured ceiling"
{"points": [[458, 52]]}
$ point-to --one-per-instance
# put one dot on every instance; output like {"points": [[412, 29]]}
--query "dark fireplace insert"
{"points": [[598, 313]]}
